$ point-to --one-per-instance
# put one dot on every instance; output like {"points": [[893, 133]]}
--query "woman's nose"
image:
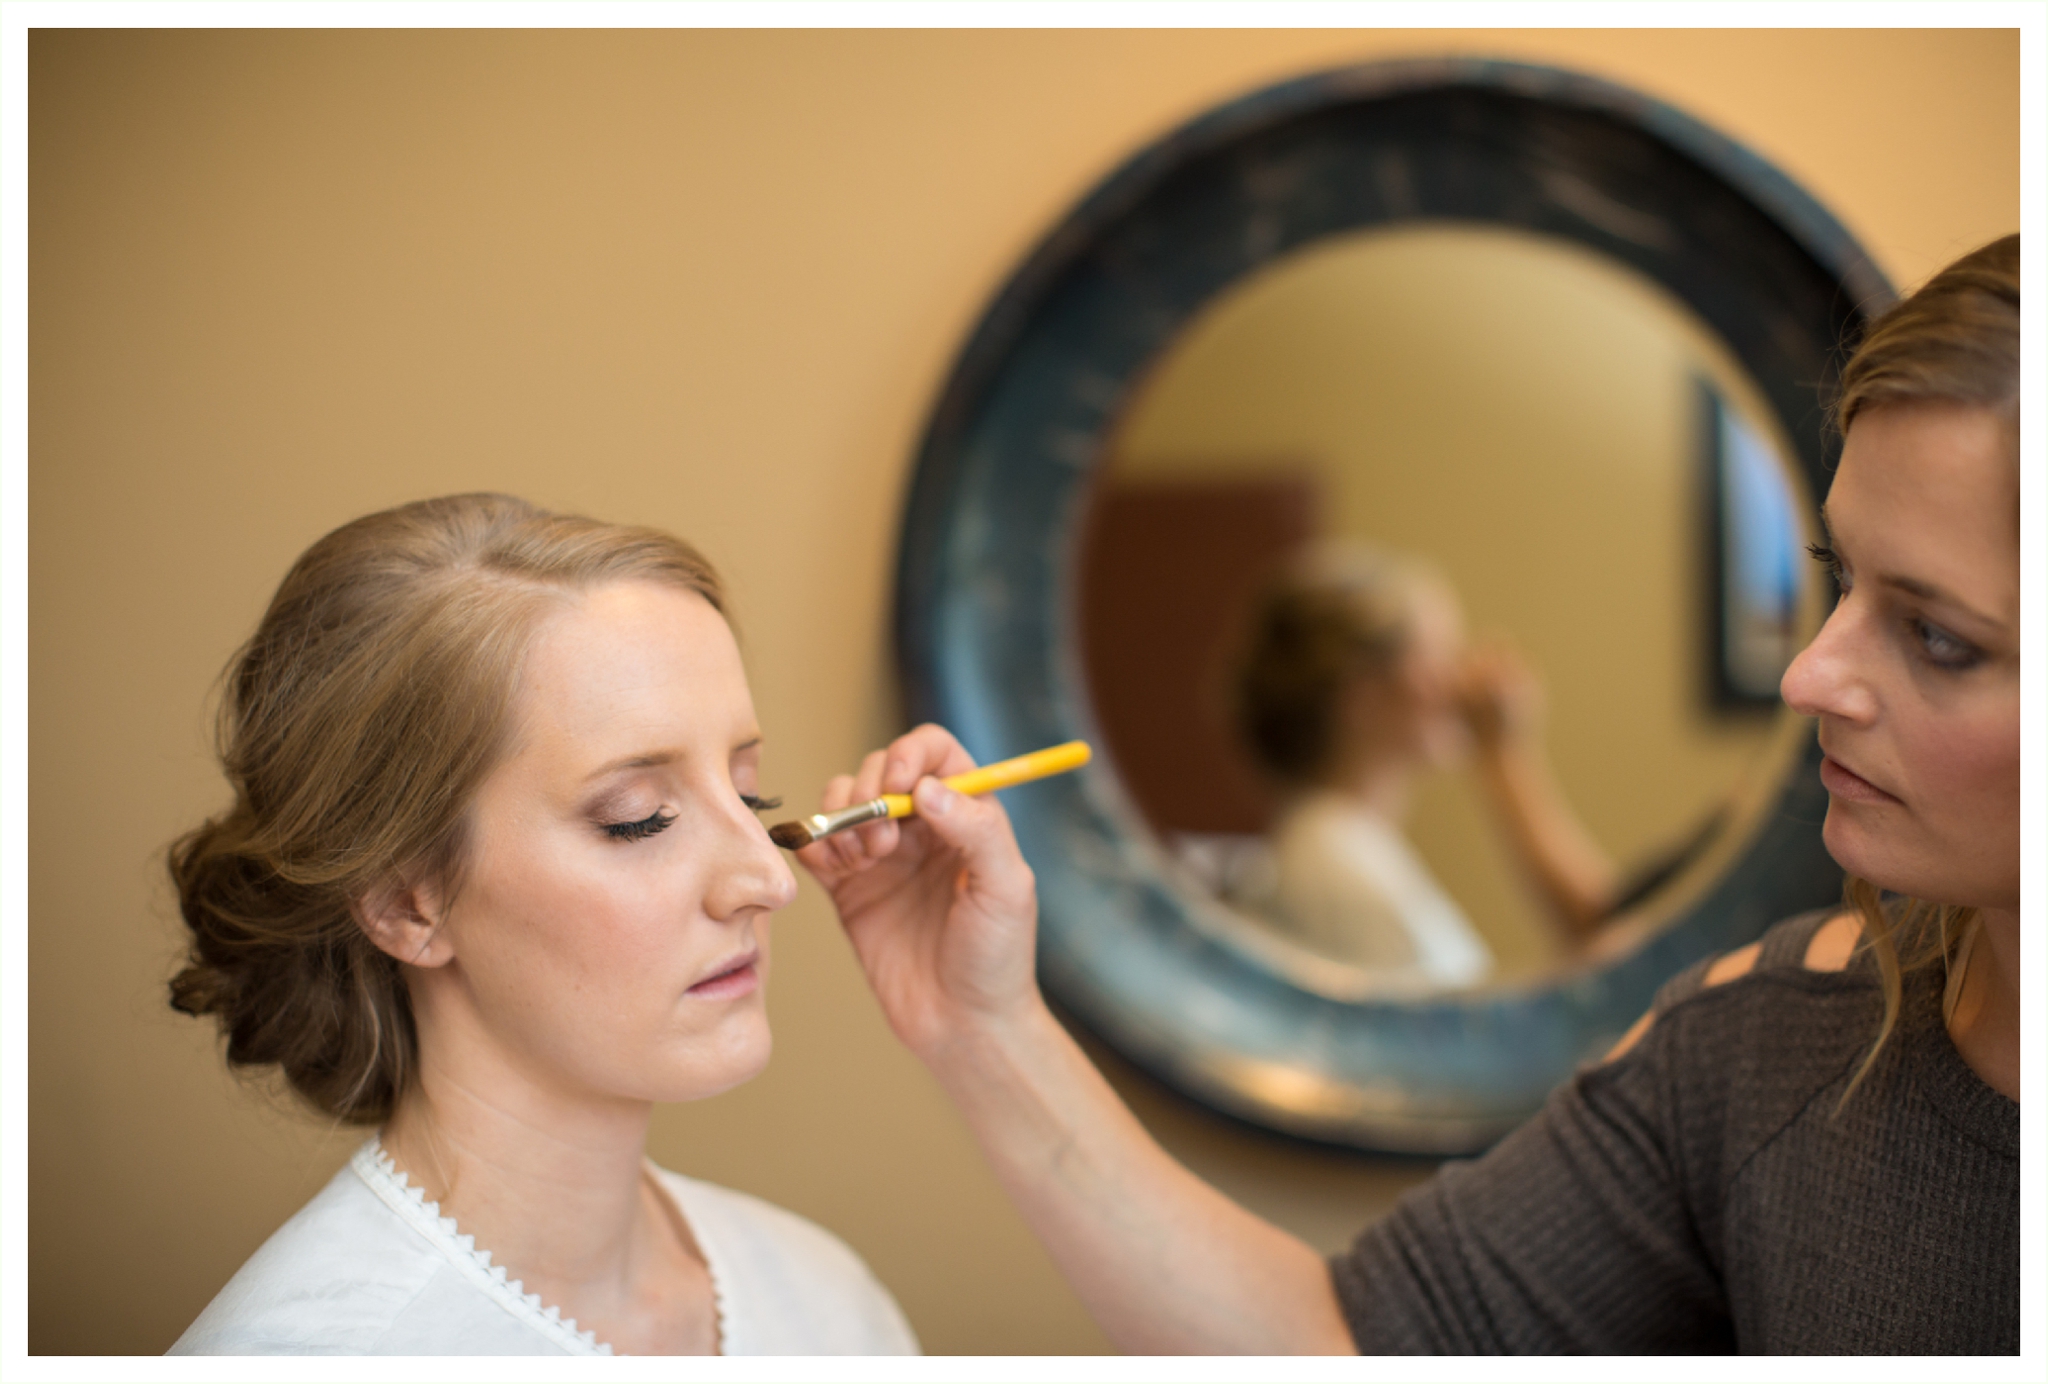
{"points": [[1828, 678], [755, 876]]}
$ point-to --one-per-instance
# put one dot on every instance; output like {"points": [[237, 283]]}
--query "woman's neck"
{"points": [[1985, 1023], [549, 1175], [555, 1188], [554, 1194]]}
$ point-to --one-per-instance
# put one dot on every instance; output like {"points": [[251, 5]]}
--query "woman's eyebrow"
{"points": [[1927, 591], [654, 759], [649, 760], [1914, 586]]}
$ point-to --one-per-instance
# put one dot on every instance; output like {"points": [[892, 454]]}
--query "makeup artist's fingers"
{"points": [[842, 854], [864, 845], [870, 842], [1500, 694], [880, 839], [978, 828], [925, 751], [928, 750], [848, 852], [825, 861], [867, 783], [838, 793], [829, 859]]}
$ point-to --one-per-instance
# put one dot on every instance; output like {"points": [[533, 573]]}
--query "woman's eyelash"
{"points": [[662, 821], [1825, 556], [640, 830]]}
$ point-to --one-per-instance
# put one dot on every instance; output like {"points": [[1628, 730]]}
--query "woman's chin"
{"points": [[1848, 841], [715, 1063], [1896, 861]]}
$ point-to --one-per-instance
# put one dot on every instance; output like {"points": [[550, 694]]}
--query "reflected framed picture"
{"points": [[1754, 550]]}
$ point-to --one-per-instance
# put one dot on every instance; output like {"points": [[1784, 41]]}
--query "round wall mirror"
{"points": [[1402, 477]]}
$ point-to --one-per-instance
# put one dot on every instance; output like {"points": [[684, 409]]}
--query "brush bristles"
{"points": [[791, 836]]}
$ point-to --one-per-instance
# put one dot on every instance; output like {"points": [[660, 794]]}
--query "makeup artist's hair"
{"points": [[1335, 613], [355, 727], [1955, 341]]}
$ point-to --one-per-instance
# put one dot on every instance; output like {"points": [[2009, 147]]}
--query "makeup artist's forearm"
{"points": [[1164, 1262], [1572, 871]]}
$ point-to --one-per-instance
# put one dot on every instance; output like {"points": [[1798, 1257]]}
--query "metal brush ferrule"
{"points": [[823, 824]]}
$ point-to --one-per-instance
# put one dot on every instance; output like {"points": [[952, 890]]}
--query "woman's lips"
{"points": [[1843, 783], [741, 976]]}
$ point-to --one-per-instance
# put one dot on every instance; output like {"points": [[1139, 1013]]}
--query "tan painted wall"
{"points": [[707, 281]]}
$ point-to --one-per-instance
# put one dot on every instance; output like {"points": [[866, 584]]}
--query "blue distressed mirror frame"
{"points": [[986, 630]]}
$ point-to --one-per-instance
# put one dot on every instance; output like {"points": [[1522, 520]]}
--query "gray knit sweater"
{"points": [[1701, 1193]]}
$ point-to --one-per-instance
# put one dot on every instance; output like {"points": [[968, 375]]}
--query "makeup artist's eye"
{"points": [[760, 804], [640, 830], [1942, 649]]}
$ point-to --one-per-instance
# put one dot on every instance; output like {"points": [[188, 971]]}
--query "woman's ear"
{"points": [[404, 919]]}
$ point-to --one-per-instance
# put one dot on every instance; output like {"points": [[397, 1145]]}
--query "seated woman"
{"points": [[1810, 1145], [1355, 681], [492, 884]]}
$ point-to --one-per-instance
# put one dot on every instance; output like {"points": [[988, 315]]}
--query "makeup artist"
{"points": [[1807, 1145]]}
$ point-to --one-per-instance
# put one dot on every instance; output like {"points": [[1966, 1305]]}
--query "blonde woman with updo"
{"points": [[491, 885], [1808, 1145], [1354, 683]]}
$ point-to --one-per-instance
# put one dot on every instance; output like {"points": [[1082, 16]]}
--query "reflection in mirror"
{"points": [[1433, 599]]}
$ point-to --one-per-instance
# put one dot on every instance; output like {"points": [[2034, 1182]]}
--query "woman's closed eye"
{"points": [[640, 830], [663, 820]]}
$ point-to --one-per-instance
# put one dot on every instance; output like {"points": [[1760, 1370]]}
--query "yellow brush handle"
{"points": [[989, 777]]}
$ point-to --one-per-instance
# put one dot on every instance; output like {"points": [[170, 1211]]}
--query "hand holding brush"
{"points": [[794, 836]]}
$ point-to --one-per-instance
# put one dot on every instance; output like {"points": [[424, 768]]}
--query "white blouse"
{"points": [[370, 1267], [1348, 885]]}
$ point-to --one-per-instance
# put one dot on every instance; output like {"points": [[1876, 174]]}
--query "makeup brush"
{"points": [[794, 836]]}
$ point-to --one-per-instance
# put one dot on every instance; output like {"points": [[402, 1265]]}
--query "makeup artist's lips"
{"points": [[1843, 783], [737, 977]]}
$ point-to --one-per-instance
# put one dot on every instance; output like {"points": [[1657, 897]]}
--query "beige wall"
{"points": [[707, 281]]}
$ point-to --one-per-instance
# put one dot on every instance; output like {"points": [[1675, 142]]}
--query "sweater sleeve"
{"points": [[1577, 1233]]}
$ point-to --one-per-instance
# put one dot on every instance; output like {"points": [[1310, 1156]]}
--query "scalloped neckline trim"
{"points": [[384, 1177]]}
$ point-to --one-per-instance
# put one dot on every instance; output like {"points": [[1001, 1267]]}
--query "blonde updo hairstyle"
{"points": [[1955, 341], [355, 728], [1336, 613]]}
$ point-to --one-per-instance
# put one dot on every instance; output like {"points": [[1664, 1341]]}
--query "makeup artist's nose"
{"points": [[1828, 678]]}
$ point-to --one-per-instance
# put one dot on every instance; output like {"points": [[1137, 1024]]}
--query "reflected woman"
{"points": [[492, 885], [1354, 682]]}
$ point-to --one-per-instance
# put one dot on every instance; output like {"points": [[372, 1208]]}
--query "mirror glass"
{"points": [[1478, 437]]}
